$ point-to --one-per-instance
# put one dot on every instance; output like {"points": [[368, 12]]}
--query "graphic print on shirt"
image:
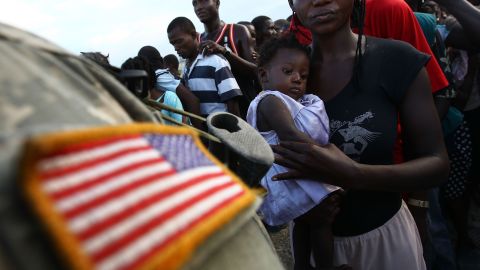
{"points": [[355, 137]]}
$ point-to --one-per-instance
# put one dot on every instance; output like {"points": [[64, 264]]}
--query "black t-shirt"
{"points": [[363, 124]]}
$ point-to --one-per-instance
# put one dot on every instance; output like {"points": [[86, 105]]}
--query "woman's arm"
{"points": [[427, 164], [467, 15]]}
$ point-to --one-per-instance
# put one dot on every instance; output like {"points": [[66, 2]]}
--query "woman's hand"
{"points": [[324, 163]]}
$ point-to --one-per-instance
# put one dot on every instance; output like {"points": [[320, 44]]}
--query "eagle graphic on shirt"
{"points": [[355, 137]]}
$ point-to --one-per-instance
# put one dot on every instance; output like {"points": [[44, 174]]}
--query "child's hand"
{"points": [[324, 213]]}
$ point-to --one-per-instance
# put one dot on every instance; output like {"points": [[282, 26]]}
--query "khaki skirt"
{"points": [[394, 245]]}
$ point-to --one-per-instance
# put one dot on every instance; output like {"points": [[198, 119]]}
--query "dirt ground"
{"points": [[281, 242]]}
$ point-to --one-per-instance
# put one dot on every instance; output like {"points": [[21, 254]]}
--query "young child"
{"points": [[283, 112]]}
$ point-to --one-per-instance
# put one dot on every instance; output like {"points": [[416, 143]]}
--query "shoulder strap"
{"points": [[232, 40], [227, 31], [221, 34]]}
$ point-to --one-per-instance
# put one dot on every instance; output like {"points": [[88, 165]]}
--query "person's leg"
{"points": [[440, 253], [321, 242], [301, 245], [320, 237], [455, 189], [471, 117]]}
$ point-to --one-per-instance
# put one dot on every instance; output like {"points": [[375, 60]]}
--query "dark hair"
{"points": [[171, 60], [140, 63], [272, 46], [153, 56], [259, 21], [183, 23], [282, 24], [358, 21], [245, 23], [101, 60]]}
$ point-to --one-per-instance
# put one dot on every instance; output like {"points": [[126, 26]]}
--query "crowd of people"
{"points": [[371, 107]]}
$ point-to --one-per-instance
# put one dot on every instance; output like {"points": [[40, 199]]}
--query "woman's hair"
{"points": [[153, 56], [358, 21], [272, 46], [141, 63]]}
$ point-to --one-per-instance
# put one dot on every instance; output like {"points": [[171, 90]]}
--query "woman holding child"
{"points": [[367, 85]]}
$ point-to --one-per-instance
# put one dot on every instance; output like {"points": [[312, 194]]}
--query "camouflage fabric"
{"points": [[43, 88]]}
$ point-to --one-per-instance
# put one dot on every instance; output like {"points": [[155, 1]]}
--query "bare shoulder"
{"points": [[241, 32], [240, 29]]}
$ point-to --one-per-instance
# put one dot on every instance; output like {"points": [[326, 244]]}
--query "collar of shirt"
{"points": [[188, 69]]}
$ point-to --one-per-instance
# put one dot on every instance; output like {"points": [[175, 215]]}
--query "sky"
{"points": [[120, 28]]}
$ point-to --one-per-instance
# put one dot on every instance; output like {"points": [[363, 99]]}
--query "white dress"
{"points": [[287, 200]]}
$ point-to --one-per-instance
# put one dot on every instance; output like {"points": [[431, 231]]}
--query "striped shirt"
{"points": [[212, 81]]}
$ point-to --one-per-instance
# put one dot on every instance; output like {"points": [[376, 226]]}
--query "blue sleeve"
{"points": [[172, 100], [166, 81]]}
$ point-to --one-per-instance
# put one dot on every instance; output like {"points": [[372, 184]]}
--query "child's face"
{"points": [[287, 72]]}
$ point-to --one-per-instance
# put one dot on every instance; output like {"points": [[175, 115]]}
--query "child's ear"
{"points": [[263, 74]]}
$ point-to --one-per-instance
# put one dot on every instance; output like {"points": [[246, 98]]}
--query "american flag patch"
{"points": [[130, 197]]}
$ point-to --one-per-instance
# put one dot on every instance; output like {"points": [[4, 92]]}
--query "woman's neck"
{"points": [[340, 45]]}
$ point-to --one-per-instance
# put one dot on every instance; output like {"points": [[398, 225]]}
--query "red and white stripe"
{"points": [[123, 201]]}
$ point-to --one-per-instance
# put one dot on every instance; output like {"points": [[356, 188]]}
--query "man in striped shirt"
{"points": [[208, 77]]}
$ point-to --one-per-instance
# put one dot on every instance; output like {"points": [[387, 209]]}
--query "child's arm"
{"points": [[273, 114], [232, 107]]}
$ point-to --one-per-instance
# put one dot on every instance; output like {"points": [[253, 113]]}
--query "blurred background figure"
{"points": [[171, 63], [166, 81], [264, 28], [168, 98], [252, 31], [281, 25]]}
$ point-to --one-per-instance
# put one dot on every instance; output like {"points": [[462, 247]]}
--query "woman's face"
{"points": [[323, 16]]}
